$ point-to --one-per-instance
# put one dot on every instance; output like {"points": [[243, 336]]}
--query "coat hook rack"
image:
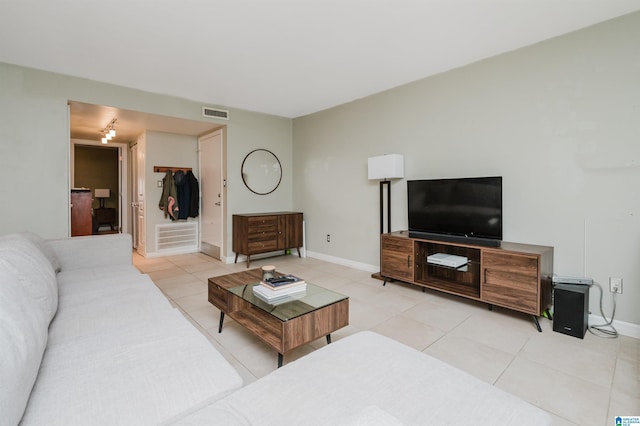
{"points": [[164, 169]]}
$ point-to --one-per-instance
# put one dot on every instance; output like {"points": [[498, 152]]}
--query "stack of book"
{"points": [[280, 289]]}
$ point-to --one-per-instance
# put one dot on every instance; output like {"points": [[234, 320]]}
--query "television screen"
{"points": [[466, 207]]}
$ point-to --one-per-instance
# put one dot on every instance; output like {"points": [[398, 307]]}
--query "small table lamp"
{"points": [[386, 167], [101, 194]]}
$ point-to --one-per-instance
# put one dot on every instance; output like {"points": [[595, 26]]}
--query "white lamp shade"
{"points": [[389, 166], [102, 193]]}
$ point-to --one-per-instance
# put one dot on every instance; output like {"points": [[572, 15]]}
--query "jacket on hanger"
{"points": [[169, 198], [183, 194], [194, 200]]}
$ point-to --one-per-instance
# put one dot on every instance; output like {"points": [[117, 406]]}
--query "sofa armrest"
{"points": [[93, 251]]}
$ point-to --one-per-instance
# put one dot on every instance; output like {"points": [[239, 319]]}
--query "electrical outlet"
{"points": [[615, 285], [328, 238]]}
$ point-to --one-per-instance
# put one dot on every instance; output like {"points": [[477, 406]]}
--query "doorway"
{"points": [[212, 193], [102, 170]]}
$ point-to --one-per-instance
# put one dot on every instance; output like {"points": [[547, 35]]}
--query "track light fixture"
{"points": [[109, 131]]}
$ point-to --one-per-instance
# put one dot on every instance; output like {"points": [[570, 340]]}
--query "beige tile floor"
{"points": [[582, 382]]}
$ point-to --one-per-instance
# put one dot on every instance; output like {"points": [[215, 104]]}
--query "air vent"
{"points": [[215, 113], [177, 237]]}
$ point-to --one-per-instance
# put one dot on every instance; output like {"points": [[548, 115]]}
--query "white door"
{"points": [[212, 195]]}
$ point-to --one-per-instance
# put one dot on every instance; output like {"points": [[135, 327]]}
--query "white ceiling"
{"points": [[86, 121], [283, 57]]}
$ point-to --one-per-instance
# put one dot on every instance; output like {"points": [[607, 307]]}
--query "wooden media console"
{"points": [[514, 276]]}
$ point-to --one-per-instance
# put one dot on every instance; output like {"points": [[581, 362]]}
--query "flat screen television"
{"points": [[467, 210]]}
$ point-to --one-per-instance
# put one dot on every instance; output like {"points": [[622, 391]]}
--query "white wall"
{"points": [[558, 120]]}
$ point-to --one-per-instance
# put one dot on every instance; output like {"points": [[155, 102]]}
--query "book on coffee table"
{"points": [[274, 296], [283, 282]]}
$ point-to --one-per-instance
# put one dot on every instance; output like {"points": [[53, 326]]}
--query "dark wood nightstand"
{"points": [[105, 216]]}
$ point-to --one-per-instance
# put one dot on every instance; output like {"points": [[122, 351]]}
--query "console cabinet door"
{"points": [[290, 231], [397, 258], [511, 280]]}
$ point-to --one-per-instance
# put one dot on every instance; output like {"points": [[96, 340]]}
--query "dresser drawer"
{"points": [[262, 236], [261, 246], [262, 222]]}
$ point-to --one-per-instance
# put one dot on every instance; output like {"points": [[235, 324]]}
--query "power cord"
{"points": [[600, 330]]}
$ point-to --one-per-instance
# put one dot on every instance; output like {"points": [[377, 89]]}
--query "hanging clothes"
{"points": [[183, 194], [194, 188], [169, 198]]}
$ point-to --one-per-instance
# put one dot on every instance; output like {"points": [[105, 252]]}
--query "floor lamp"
{"points": [[382, 168]]}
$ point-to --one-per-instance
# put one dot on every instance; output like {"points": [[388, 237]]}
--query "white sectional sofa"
{"points": [[85, 339], [96, 342]]}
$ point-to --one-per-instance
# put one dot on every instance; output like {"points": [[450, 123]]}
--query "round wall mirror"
{"points": [[261, 171]]}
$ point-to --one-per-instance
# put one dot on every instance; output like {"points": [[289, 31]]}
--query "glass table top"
{"points": [[315, 297]]}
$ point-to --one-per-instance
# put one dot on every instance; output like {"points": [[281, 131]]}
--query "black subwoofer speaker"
{"points": [[571, 309]]}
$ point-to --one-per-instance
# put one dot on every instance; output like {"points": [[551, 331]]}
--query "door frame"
{"points": [[222, 130], [123, 180], [133, 183]]}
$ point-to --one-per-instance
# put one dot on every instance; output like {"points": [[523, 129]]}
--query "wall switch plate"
{"points": [[615, 285], [159, 184]]}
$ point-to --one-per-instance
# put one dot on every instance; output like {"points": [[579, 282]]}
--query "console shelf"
{"points": [[514, 276]]}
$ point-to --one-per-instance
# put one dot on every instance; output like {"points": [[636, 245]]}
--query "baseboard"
{"points": [[624, 328], [340, 261], [172, 252]]}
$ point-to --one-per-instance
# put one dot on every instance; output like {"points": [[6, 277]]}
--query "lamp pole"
{"points": [[384, 183]]}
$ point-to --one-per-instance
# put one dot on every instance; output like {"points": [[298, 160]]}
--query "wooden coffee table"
{"points": [[284, 326]]}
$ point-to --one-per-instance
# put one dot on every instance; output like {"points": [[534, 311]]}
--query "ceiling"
{"points": [[284, 57], [86, 121]]}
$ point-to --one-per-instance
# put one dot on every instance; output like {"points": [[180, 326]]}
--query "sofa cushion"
{"points": [[343, 378], [93, 251], [142, 373], [97, 305], [32, 269], [45, 248], [23, 336], [70, 277]]}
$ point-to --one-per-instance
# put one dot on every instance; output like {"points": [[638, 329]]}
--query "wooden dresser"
{"points": [[256, 233]]}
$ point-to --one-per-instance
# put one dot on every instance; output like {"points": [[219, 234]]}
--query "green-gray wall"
{"points": [[559, 121], [35, 147]]}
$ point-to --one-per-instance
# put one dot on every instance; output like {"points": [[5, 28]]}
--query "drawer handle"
{"points": [[408, 261]]}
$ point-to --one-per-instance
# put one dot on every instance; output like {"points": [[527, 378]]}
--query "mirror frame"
{"points": [[243, 172]]}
